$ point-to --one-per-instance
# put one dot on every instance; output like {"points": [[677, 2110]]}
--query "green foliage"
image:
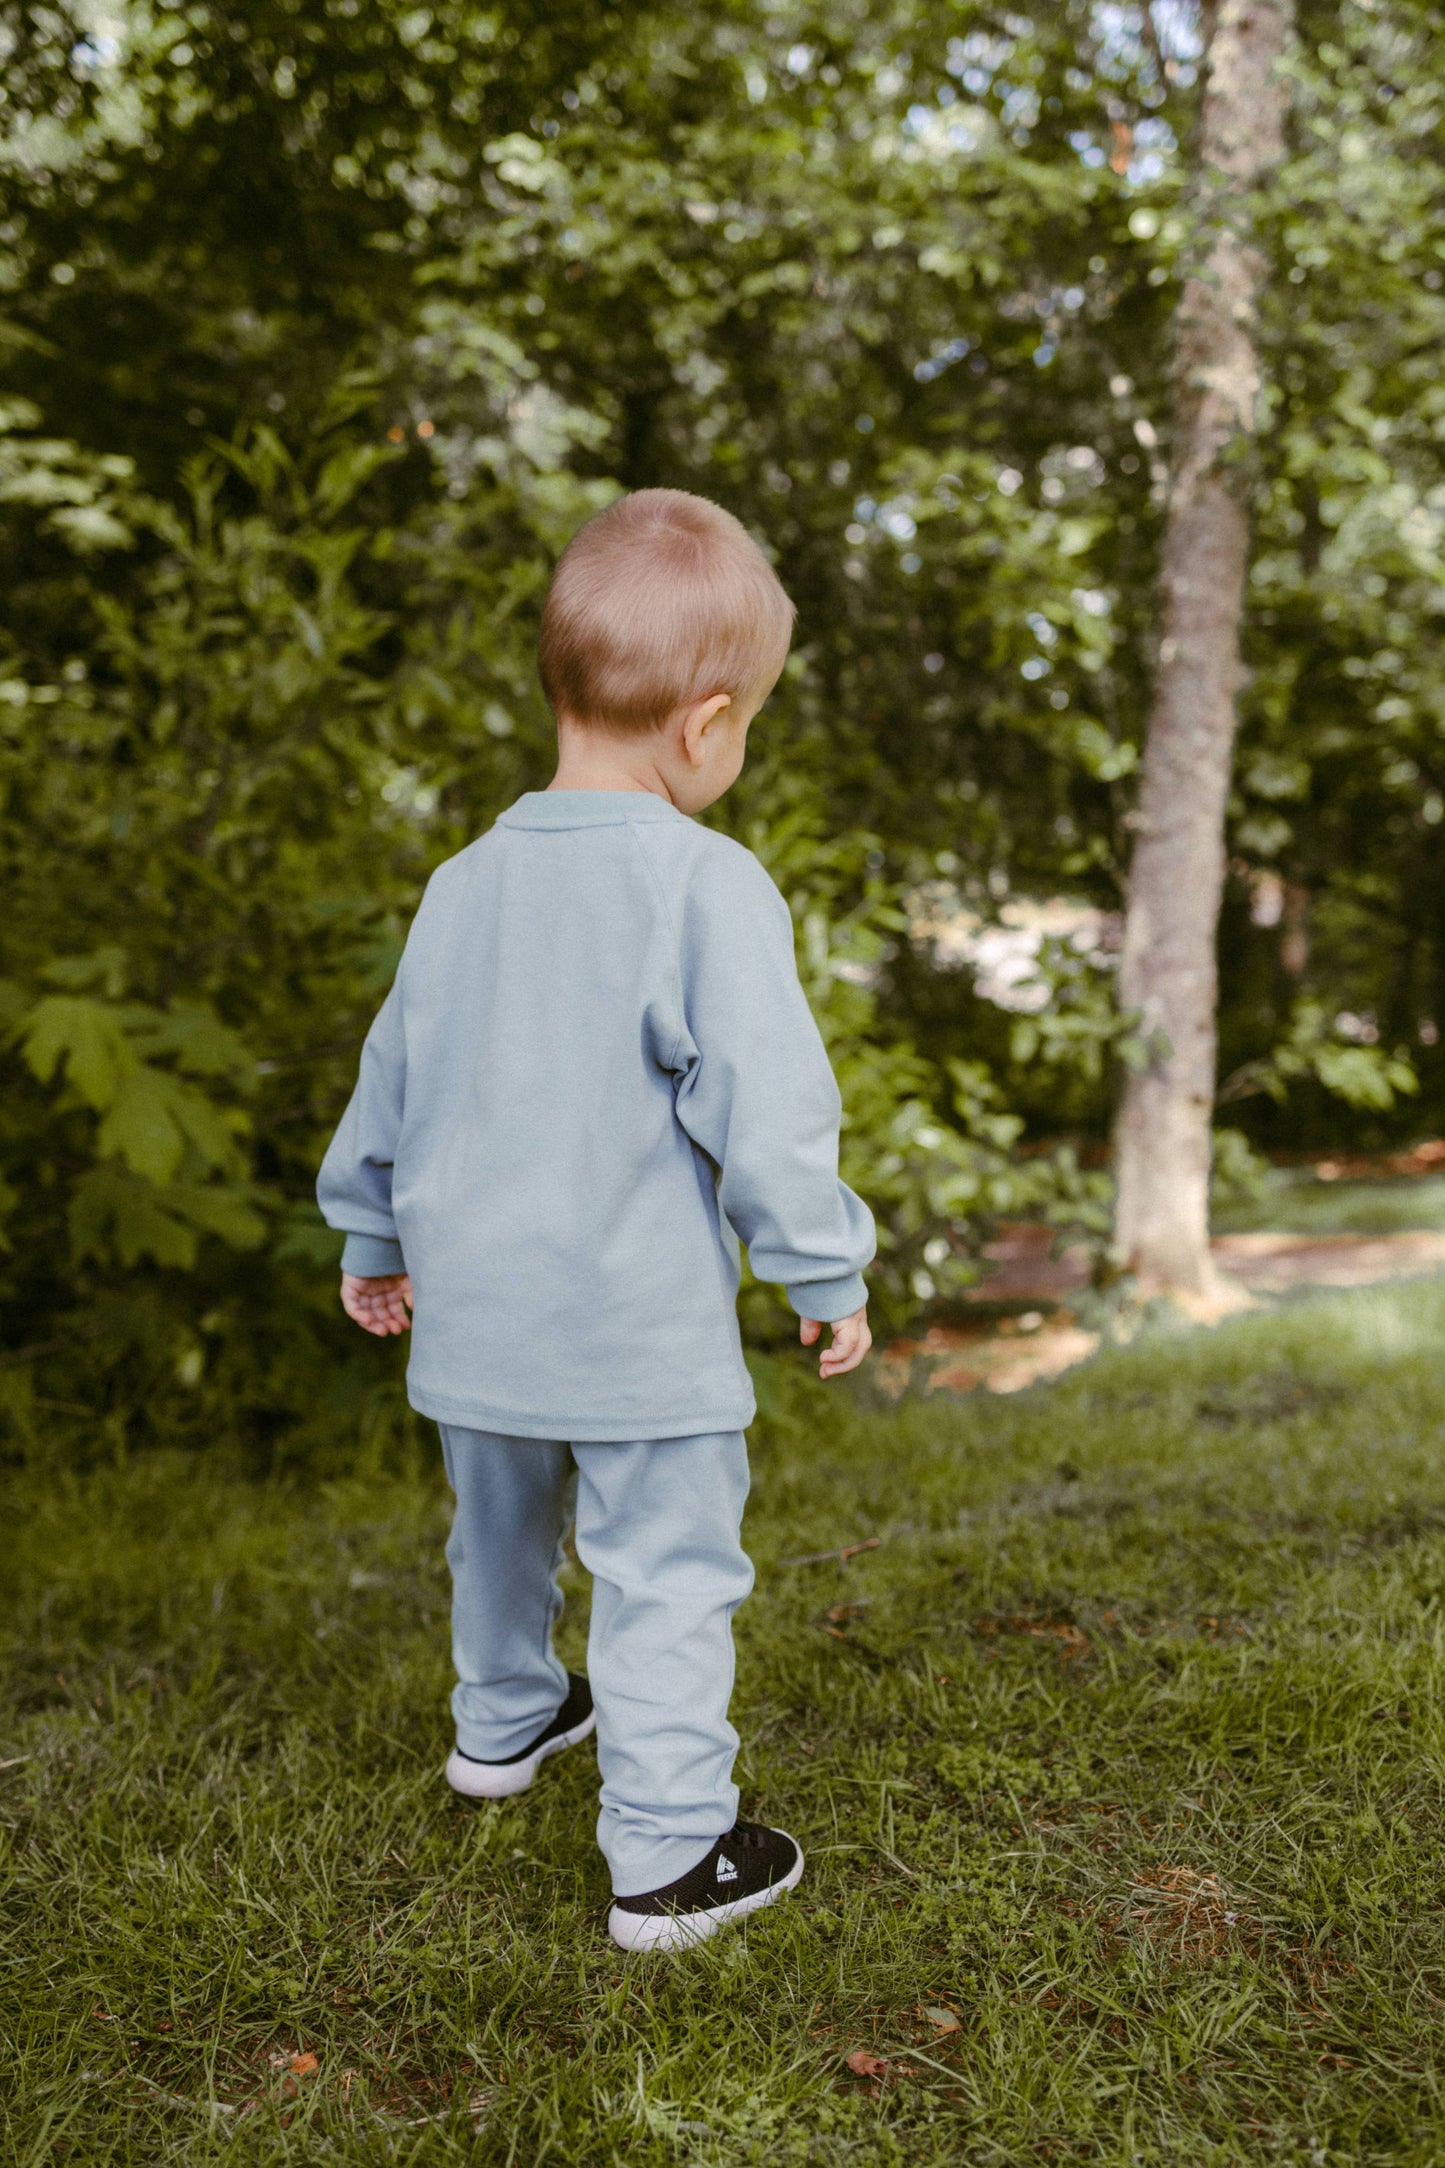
{"points": [[79, 495], [321, 334], [935, 1156], [1079, 1024], [1237, 1173], [1362, 1075], [169, 1163]]}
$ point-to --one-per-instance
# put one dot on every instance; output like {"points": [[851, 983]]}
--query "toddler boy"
{"points": [[595, 1072]]}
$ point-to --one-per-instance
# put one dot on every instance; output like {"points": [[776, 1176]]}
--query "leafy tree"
{"points": [[325, 328]]}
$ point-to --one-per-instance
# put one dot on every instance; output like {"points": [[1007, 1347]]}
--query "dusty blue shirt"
{"points": [[595, 1070]]}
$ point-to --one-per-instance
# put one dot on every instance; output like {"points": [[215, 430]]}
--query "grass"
{"points": [[1295, 1201], [1119, 1761]]}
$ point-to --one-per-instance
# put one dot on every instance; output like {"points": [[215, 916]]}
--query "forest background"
{"points": [[324, 326]]}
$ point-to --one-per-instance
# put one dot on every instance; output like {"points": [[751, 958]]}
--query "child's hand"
{"points": [[851, 1342], [381, 1306]]}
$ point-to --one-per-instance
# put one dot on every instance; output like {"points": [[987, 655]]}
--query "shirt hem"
{"points": [[507, 1423]]}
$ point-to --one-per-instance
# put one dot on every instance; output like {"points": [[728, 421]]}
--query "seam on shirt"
{"points": [[635, 828]]}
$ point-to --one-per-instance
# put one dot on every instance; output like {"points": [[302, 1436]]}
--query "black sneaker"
{"points": [[499, 1779], [748, 1868]]}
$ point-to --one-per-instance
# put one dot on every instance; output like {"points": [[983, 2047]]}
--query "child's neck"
{"points": [[590, 760]]}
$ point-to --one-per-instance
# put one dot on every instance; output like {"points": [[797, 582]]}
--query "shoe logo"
{"points": [[726, 1871]]}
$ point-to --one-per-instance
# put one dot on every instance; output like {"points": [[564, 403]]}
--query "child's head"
{"points": [[663, 616]]}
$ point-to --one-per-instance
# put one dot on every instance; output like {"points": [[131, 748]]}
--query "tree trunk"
{"points": [[1168, 968]]}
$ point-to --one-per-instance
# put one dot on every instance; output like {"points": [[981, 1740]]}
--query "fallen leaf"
{"points": [[945, 2020], [864, 2064]]}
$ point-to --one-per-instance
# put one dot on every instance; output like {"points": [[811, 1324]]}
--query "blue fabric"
{"points": [[596, 1071], [658, 1523]]}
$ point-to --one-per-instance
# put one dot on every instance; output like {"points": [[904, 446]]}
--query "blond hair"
{"points": [[660, 600]]}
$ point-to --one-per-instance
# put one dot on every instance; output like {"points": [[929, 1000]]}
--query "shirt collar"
{"points": [[587, 809]]}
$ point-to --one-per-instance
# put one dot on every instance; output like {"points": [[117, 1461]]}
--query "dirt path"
{"points": [[1006, 1354]]}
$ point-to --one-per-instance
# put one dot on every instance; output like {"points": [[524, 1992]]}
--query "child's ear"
{"points": [[695, 724]]}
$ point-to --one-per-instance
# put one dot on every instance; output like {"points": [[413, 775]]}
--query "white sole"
{"points": [[683, 1930], [499, 1780]]}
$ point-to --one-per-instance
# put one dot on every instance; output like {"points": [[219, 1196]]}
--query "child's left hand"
{"points": [[381, 1306], [851, 1342]]}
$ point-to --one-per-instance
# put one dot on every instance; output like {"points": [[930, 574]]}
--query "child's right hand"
{"points": [[381, 1305], [851, 1342]]}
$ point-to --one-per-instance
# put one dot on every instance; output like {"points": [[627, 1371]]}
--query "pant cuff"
{"points": [[498, 1742], [651, 1863]]}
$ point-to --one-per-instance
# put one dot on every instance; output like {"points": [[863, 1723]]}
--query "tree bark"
{"points": [[1168, 968]]}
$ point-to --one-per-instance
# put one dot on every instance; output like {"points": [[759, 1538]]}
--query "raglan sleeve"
{"points": [[353, 1188], [756, 1092]]}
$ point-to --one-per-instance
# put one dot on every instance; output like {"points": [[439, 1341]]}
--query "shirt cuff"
{"points": [[372, 1257], [828, 1300]]}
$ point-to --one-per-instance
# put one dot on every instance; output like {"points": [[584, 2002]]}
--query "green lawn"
{"points": [[1124, 1757], [1297, 1202]]}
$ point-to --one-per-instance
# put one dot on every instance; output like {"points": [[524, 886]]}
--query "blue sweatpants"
{"points": [[657, 1527]]}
